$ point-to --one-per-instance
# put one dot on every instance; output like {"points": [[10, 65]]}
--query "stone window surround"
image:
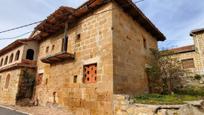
{"points": [[95, 60]]}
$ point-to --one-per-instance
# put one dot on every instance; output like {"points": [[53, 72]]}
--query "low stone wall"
{"points": [[123, 105]]}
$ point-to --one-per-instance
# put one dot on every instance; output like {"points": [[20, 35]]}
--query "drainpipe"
{"points": [[65, 39]]}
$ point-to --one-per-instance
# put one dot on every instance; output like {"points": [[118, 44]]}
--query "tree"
{"points": [[163, 71]]}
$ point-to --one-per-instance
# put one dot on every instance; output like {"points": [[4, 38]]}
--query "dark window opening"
{"points": [[46, 81], [11, 58], [75, 79], [30, 54], [90, 73], [2, 60], [64, 43], [144, 43], [17, 55], [47, 49], [7, 81], [53, 47], [6, 60], [78, 36]]}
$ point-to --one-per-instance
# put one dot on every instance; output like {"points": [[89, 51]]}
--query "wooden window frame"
{"points": [[186, 65], [90, 73]]}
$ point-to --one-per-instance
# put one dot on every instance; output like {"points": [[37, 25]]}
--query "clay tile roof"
{"points": [[55, 22], [196, 31], [13, 45], [183, 49]]}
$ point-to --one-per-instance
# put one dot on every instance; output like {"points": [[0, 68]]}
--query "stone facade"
{"points": [[14, 63], [198, 39], [8, 94], [105, 54], [117, 44], [93, 46], [131, 52], [194, 52]]}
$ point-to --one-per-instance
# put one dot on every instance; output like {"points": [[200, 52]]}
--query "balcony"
{"points": [[59, 57], [24, 63]]}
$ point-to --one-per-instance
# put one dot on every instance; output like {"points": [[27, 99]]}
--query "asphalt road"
{"points": [[5, 111]]}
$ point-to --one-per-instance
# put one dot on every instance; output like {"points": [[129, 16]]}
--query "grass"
{"points": [[165, 99]]}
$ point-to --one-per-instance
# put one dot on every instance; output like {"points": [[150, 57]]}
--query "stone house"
{"points": [[88, 54], [17, 62], [192, 56]]}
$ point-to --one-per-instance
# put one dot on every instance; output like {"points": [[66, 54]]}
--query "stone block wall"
{"points": [[123, 105], [131, 52], [8, 94], [62, 83], [199, 41], [191, 55]]}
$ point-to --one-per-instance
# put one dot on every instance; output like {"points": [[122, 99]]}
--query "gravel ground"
{"points": [[38, 110]]}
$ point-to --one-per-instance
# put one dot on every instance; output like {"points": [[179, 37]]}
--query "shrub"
{"points": [[194, 91], [198, 77]]}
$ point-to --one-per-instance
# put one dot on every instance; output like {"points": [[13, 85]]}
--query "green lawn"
{"points": [[165, 99]]}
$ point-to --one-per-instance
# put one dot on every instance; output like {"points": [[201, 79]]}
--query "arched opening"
{"points": [[11, 58], [6, 60], [30, 54], [2, 60], [7, 81], [17, 55]]}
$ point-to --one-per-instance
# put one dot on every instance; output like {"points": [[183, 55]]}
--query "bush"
{"points": [[164, 99], [198, 77], [194, 91]]}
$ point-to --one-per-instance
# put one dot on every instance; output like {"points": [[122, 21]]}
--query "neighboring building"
{"points": [[192, 56], [17, 65], [88, 54]]}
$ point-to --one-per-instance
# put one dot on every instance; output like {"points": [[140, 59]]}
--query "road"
{"points": [[5, 111]]}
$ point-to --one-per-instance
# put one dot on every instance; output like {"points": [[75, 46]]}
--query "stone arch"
{"points": [[11, 58], [17, 55], [6, 60], [2, 60], [7, 81]]}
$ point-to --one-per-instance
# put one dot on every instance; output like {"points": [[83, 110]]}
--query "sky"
{"points": [[174, 18]]}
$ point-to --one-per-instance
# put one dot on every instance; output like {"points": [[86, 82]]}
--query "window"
{"points": [[90, 73], [17, 55], [11, 58], [64, 43], [2, 60], [78, 36], [144, 43], [7, 81], [6, 60], [47, 49], [46, 81], [75, 79], [188, 63], [30, 54], [53, 47]]}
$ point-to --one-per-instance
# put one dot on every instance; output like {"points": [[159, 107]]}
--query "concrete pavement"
{"points": [[6, 111]]}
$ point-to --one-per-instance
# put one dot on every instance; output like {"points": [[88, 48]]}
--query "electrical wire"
{"points": [[21, 35], [27, 25], [23, 26]]}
